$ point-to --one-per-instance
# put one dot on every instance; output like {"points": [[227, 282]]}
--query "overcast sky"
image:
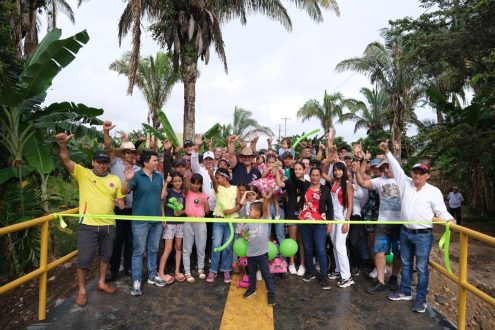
{"points": [[272, 72]]}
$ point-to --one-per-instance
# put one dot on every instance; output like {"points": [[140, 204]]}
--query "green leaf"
{"points": [[154, 131], [215, 130], [37, 154], [7, 173], [50, 57], [80, 109], [168, 129]]}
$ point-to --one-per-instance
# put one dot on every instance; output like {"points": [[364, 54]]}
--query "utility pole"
{"points": [[285, 128], [279, 130]]}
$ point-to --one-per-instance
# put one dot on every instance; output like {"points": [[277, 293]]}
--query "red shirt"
{"points": [[311, 208]]}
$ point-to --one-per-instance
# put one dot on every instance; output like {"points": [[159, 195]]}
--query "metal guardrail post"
{"points": [[43, 277], [462, 296]]}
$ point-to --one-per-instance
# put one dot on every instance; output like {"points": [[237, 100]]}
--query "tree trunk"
{"points": [[18, 28], [189, 76], [31, 39], [398, 109], [439, 117]]}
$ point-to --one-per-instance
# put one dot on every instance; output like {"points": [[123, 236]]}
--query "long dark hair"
{"points": [[197, 178], [343, 180]]}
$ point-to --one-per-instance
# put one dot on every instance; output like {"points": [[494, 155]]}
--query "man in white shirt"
{"points": [[455, 201], [420, 202]]}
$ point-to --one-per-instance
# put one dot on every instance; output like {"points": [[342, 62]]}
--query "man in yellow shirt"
{"points": [[99, 192]]}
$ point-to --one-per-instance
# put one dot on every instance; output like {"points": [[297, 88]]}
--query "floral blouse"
{"points": [[311, 207]]}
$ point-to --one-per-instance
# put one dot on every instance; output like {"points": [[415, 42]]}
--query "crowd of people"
{"points": [[323, 183]]}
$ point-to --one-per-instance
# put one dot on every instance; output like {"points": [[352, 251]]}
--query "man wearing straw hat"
{"points": [[120, 160]]}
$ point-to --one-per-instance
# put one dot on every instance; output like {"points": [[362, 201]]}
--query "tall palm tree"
{"points": [[155, 79], [53, 7], [245, 126], [370, 115], [189, 27], [386, 65], [332, 107]]}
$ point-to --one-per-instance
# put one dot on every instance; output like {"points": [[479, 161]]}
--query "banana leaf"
{"points": [[49, 58], [37, 154], [168, 129], [215, 130], [153, 131]]}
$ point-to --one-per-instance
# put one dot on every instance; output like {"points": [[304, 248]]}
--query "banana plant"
{"points": [[23, 119], [167, 131]]}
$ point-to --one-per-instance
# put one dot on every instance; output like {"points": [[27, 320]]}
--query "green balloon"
{"points": [[240, 247], [288, 248], [272, 251], [389, 258]]}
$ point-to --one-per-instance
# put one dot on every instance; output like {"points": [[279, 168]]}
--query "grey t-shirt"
{"points": [[258, 239]]}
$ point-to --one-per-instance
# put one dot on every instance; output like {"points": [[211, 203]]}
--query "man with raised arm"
{"points": [[99, 192], [420, 202], [119, 161], [243, 171]]}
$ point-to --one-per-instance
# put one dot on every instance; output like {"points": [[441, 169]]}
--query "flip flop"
{"points": [[168, 279], [202, 275], [180, 277], [189, 278]]}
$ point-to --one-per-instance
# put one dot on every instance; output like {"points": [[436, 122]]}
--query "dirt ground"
{"points": [[19, 307]]}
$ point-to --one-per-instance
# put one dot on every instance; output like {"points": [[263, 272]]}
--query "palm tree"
{"points": [[53, 7], [155, 79], [332, 107], [370, 115], [245, 126], [189, 27], [386, 65]]}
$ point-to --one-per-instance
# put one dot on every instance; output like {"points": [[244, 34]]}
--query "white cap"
{"points": [[209, 154]]}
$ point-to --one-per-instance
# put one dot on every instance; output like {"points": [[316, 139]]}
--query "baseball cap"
{"points": [[349, 155], [383, 161], [287, 154], [101, 156], [188, 143], [375, 162], [209, 154], [179, 162], [422, 167]]}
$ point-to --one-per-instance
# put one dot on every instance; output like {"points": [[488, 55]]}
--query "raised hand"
{"points": [[233, 138], [383, 146], [124, 136], [198, 139], [210, 144], [63, 138], [169, 179], [108, 126], [357, 150], [128, 173]]}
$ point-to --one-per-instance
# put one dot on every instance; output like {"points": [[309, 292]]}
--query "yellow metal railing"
{"points": [[42, 272], [462, 280]]}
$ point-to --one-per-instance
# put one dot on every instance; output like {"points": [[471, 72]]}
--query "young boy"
{"points": [[258, 253]]}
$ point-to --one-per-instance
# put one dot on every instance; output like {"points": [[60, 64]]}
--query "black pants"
{"points": [[456, 213], [262, 261], [354, 243], [122, 239]]}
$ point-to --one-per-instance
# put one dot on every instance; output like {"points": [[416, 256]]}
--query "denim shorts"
{"points": [[385, 243]]}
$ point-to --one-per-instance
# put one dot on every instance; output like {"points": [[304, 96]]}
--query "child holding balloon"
{"points": [[257, 253], [174, 200]]}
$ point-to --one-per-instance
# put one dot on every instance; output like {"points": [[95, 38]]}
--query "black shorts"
{"points": [[91, 238]]}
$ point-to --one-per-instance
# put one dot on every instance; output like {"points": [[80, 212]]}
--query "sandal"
{"points": [[168, 279], [180, 277], [202, 275], [189, 278]]}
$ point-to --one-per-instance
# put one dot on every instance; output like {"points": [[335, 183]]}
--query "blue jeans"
{"points": [[262, 262], [315, 236], [145, 232], [221, 234], [415, 245], [279, 228]]}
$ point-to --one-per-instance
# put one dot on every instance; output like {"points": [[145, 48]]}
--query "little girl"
{"points": [[227, 207], [267, 185], [172, 229], [285, 147], [195, 233]]}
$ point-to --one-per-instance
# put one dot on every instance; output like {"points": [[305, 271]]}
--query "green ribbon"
{"points": [[61, 221], [444, 244]]}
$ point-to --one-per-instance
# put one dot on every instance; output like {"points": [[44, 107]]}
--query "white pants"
{"points": [[340, 251]]}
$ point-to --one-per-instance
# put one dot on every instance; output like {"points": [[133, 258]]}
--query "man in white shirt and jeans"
{"points": [[420, 202]]}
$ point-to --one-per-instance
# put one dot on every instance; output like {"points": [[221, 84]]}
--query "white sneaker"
{"points": [[292, 269], [301, 271], [258, 276], [373, 273], [385, 271]]}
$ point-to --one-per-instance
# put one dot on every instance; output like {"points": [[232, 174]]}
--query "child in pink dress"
{"points": [[267, 185]]}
